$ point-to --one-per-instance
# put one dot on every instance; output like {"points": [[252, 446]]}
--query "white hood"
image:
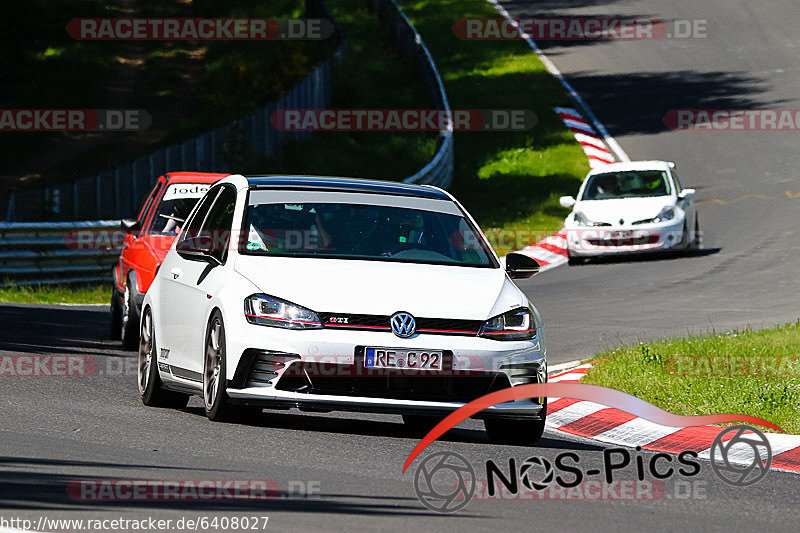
{"points": [[627, 209], [382, 288]]}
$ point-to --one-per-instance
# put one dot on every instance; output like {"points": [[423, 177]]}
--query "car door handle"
{"points": [[176, 273]]}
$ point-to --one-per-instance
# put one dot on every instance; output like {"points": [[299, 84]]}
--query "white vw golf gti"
{"points": [[340, 294], [637, 206]]}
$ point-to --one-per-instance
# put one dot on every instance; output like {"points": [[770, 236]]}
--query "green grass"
{"points": [[97, 293], [652, 372], [508, 180]]}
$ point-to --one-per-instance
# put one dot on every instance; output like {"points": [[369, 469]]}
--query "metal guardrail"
{"points": [[115, 193], [51, 252], [39, 253], [439, 171]]}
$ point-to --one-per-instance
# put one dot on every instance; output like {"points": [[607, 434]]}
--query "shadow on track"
{"points": [[378, 428], [49, 329]]}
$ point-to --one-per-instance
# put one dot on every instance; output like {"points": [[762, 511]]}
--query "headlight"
{"points": [[666, 214], [270, 311], [581, 220], [515, 325]]}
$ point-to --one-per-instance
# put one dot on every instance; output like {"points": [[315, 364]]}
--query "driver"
{"points": [[653, 182]]}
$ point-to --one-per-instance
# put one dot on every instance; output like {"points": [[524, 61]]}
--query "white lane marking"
{"points": [[573, 376], [571, 413], [742, 455], [557, 241], [544, 255], [589, 139], [636, 432], [562, 366], [591, 150], [552, 69]]}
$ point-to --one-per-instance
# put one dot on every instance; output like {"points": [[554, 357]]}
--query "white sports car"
{"points": [[340, 294], [631, 207]]}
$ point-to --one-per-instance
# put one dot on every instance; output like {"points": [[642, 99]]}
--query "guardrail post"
{"points": [[134, 187], [75, 200], [97, 196], [116, 193], [10, 207]]}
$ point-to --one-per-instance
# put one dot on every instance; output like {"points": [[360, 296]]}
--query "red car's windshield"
{"points": [[178, 201]]}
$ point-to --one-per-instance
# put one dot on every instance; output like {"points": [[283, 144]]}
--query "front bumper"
{"points": [[611, 240], [324, 370]]}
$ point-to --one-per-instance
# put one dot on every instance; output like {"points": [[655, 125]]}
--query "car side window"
{"points": [[196, 219], [678, 186], [218, 223], [151, 196]]}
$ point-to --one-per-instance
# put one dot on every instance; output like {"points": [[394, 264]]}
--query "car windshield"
{"points": [[363, 231], [175, 206], [627, 184]]}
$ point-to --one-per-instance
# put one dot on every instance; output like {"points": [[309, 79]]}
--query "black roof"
{"points": [[345, 185]]}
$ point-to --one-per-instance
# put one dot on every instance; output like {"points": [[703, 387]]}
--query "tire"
{"points": [[215, 396], [420, 424], [129, 326], [150, 386], [572, 261], [116, 316], [698, 241], [521, 432]]}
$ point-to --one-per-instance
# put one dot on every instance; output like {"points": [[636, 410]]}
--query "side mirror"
{"points": [[567, 201], [129, 225], [198, 248], [519, 266], [687, 194], [671, 164]]}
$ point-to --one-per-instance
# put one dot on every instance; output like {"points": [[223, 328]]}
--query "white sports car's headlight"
{"points": [[515, 325], [268, 310], [581, 220], [666, 214]]}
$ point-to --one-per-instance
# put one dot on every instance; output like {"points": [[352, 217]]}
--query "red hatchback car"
{"points": [[148, 240]]}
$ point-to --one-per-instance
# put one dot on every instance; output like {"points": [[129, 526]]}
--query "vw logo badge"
{"points": [[403, 324]]}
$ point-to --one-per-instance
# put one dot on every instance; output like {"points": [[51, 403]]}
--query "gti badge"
{"points": [[403, 324]]}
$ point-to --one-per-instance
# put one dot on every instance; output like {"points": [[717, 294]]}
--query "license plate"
{"points": [[400, 358], [621, 234]]}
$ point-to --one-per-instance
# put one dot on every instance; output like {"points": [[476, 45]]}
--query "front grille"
{"points": [[624, 241], [352, 380], [429, 326]]}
